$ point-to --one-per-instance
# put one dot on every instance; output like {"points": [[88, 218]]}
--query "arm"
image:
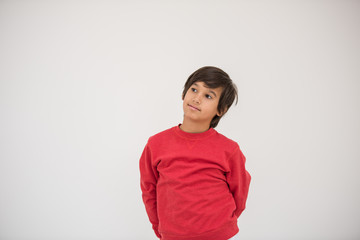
{"points": [[238, 180], [148, 181]]}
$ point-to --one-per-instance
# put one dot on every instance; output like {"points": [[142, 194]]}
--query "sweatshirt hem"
{"points": [[222, 233]]}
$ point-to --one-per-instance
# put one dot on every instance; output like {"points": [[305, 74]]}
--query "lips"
{"points": [[193, 107]]}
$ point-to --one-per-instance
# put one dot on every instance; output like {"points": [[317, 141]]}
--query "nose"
{"points": [[196, 99]]}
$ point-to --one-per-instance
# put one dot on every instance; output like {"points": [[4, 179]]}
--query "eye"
{"points": [[193, 89], [208, 96]]}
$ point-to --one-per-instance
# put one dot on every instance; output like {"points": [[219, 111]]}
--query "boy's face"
{"points": [[200, 103]]}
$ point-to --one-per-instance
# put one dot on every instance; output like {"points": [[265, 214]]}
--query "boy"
{"points": [[193, 179]]}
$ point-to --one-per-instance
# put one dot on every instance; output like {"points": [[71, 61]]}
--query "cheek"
{"points": [[188, 95], [215, 107]]}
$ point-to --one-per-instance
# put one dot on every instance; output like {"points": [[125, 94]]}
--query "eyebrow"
{"points": [[209, 90]]}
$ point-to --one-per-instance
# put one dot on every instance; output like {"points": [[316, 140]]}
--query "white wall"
{"points": [[83, 84]]}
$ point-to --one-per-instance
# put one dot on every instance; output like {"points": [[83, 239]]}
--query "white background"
{"points": [[83, 84]]}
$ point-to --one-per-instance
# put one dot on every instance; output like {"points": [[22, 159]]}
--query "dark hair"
{"points": [[214, 77]]}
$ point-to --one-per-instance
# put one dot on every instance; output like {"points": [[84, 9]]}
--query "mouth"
{"points": [[191, 106]]}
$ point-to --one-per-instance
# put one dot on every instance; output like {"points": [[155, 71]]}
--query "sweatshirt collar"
{"points": [[201, 135]]}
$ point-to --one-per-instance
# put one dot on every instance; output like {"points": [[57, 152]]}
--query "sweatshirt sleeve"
{"points": [[148, 181], [238, 180]]}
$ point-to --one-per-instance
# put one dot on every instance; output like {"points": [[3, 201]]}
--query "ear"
{"points": [[221, 113]]}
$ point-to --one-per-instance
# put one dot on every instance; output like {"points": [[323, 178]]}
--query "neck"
{"points": [[194, 127]]}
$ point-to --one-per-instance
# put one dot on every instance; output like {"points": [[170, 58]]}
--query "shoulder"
{"points": [[233, 148], [161, 136], [226, 140]]}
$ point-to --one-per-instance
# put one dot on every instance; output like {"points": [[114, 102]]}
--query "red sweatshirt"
{"points": [[194, 185]]}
